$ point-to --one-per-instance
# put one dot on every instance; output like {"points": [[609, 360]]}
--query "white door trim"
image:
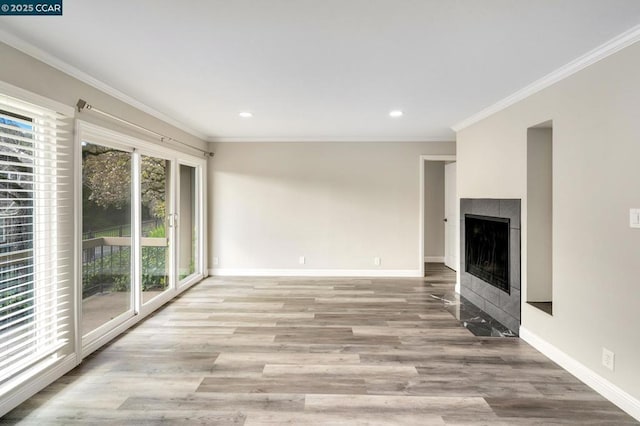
{"points": [[451, 213], [421, 164]]}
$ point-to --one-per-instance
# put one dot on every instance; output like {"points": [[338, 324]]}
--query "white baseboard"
{"points": [[225, 272], [434, 259], [39, 381], [598, 383]]}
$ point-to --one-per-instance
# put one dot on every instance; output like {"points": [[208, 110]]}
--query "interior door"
{"points": [[451, 225]]}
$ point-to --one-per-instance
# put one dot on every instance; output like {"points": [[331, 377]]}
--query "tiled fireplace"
{"points": [[490, 257]]}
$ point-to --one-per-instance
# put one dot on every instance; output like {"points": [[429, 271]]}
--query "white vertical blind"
{"points": [[35, 256]]}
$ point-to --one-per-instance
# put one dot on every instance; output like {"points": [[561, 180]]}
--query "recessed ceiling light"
{"points": [[245, 114], [395, 113]]}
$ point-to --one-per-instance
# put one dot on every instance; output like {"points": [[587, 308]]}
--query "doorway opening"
{"points": [[439, 218]]}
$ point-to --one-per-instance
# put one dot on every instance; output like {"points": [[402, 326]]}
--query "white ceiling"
{"points": [[322, 69]]}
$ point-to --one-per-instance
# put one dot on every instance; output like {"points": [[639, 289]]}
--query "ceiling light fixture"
{"points": [[395, 113], [245, 114]]}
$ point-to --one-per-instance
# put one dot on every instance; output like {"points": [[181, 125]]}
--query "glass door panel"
{"points": [[187, 223], [106, 235], [155, 209]]}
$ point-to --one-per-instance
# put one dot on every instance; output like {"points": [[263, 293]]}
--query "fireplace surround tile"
{"points": [[465, 279], [501, 305], [475, 284], [485, 207], [476, 299], [462, 257], [466, 204], [488, 292], [510, 210], [515, 259], [502, 317], [510, 303]]}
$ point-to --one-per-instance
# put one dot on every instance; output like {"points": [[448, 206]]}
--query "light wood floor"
{"points": [[258, 351]]}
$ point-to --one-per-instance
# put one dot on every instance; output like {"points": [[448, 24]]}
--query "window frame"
{"points": [[59, 356]]}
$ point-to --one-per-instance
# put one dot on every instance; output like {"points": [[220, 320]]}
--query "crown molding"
{"points": [[610, 47], [323, 139], [59, 64]]}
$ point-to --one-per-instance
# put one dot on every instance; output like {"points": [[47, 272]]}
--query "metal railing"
{"points": [[122, 230], [106, 260]]}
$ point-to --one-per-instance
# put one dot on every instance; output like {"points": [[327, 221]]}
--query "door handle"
{"points": [[445, 219]]}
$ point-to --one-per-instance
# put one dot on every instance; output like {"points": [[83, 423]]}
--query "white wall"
{"points": [[596, 160], [434, 209], [338, 204]]}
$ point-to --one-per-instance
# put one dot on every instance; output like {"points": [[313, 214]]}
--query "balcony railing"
{"points": [[123, 230], [106, 260]]}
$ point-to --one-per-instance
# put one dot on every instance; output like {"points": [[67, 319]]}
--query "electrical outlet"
{"points": [[634, 218], [301, 260], [215, 261], [376, 261], [608, 358]]}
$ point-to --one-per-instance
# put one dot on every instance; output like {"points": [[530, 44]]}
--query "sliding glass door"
{"points": [[142, 229], [107, 279], [188, 223], [155, 232]]}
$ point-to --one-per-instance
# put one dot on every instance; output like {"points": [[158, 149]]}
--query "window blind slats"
{"points": [[24, 274], [48, 168], [22, 362], [57, 315], [17, 344], [44, 123], [27, 138], [12, 258], [26, 156], [31, 344], [57, 149], [35, 217], [29, 296], [28, 315], [52, 316]]}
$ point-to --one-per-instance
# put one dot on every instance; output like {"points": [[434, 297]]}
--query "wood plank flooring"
{"points": [[273, 351]]}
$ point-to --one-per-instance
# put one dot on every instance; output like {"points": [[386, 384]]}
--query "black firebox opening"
{"points": [[487, 249]]}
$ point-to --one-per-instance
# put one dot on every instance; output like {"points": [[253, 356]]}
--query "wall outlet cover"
{"points": [[634, 218], [608, 359]]}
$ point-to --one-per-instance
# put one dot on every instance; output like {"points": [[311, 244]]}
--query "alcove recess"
{"points": [[540, 216]]}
